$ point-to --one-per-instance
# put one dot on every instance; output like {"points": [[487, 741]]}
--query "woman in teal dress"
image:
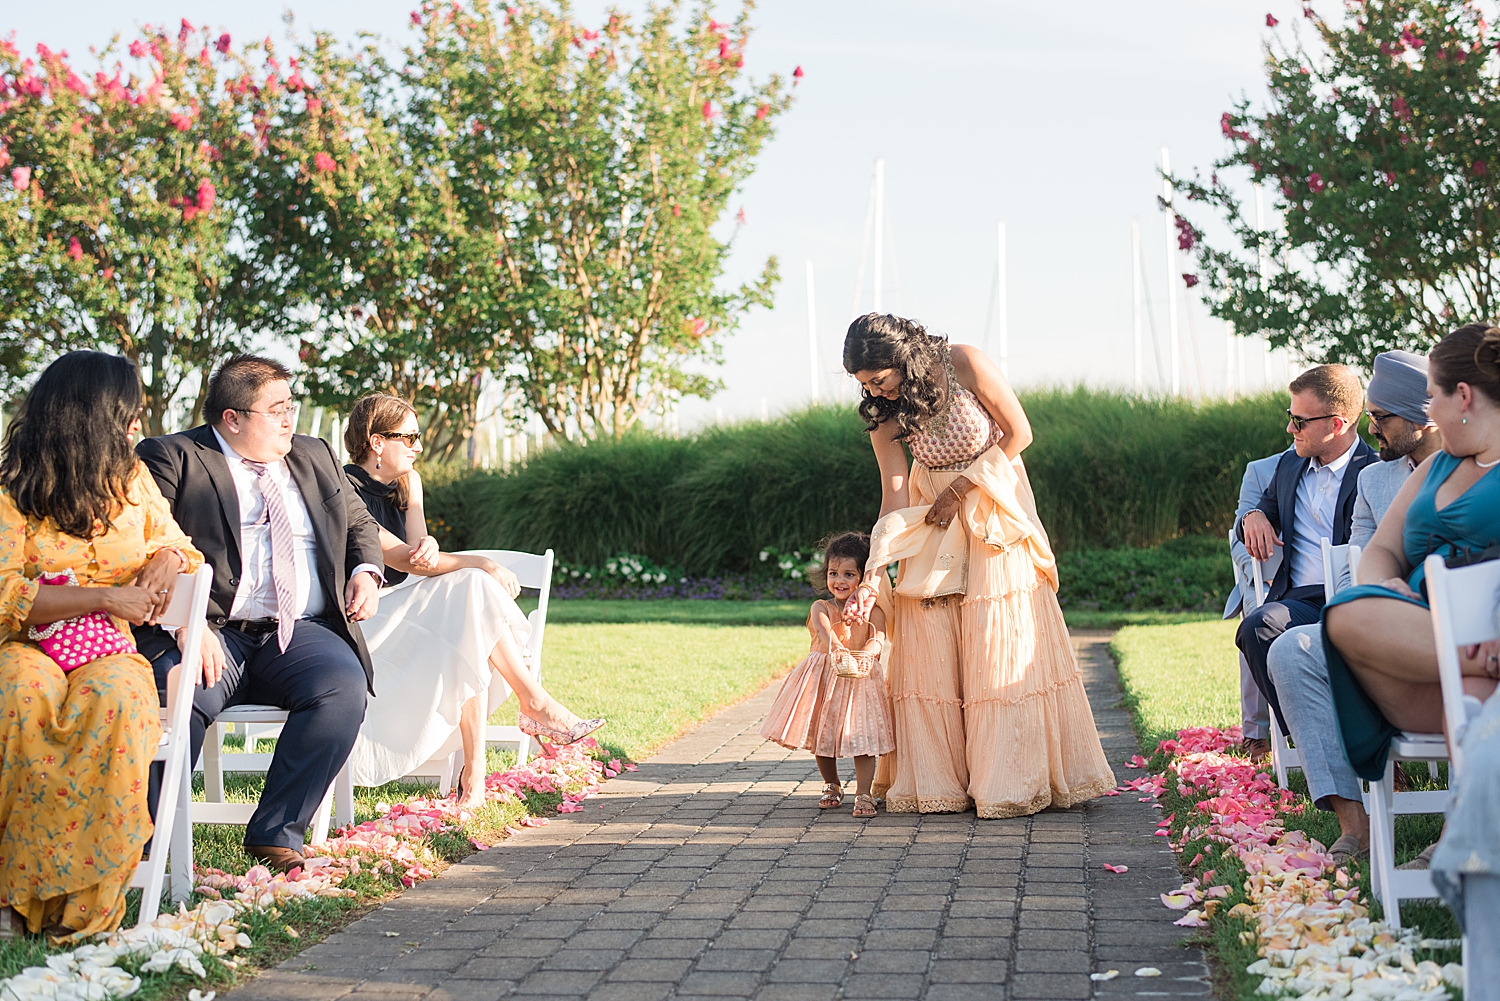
{"points": [[1382, 658]]}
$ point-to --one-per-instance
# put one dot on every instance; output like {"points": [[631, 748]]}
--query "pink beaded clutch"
{"points": [[75, 642]]}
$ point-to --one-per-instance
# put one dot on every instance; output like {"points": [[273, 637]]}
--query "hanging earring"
{"points": [[377, 454], [1465, 420]]}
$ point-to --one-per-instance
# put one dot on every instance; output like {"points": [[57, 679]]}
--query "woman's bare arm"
{"points": [[895, 491], [983, 378], [1384, 557], [416, 518]]}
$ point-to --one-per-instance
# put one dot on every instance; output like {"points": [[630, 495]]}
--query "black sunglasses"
{"points": [[1301, 422], [411, 438]]}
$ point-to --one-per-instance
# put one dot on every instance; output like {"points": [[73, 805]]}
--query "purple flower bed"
{"points": [[733, 588]]}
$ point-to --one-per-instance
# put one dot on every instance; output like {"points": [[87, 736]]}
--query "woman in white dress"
{"points": [[447, 640]]}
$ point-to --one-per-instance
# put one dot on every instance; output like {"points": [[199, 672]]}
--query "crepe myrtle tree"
{"points": [[530, 199], [356, 196], [1382, 155], [621, 147], [630, 142], [120, 223]]}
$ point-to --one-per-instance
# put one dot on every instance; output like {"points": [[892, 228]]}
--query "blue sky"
{"points": [[1049, 116]]}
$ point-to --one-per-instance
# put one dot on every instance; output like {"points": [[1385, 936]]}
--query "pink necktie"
{"points": [[283, 555]]}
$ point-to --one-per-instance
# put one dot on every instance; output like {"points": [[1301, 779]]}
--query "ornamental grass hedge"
{"points": [[1110, 470]]}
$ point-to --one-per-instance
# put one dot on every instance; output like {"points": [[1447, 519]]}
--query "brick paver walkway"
{"points": [[712, 873]]}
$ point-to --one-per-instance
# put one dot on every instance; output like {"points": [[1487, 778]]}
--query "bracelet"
{"points": [[179, 554]]}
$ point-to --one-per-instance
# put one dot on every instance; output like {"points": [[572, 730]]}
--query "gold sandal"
{"points": [[864, 805], [833, 796]]}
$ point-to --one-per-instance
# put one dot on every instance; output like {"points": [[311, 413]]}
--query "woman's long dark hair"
{"points": [[67, 456], [880, 340]]}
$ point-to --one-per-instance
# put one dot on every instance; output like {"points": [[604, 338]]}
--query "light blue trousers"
{"points": [[1255, 711], [1300, 673]]}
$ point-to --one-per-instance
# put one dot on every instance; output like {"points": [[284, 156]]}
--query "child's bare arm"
{"points": [[820, 624]]}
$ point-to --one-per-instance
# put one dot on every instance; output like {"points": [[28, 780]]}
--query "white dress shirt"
{"points": [[255, 597], [1313, 518]]}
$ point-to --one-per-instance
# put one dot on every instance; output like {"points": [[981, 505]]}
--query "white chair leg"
{"points": [[320, 819], [445, 775], [523, 750], [213, 764], [343, 796], [1432, 770], [181, 855], [1383, 844]]}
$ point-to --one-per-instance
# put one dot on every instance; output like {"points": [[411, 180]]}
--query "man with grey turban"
{"points": [[1396, 403]]}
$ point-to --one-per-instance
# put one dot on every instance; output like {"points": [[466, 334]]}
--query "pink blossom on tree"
{"points": [[21, 178], [1271, 21], [1315, 182], [1189, 280], [223, 43], [325, 163], [75, 249]]}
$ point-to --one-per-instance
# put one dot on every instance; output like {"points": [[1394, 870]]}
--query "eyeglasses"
{"points": [[281, 413], [1301, 422], [1378, 419], [411, 438]]}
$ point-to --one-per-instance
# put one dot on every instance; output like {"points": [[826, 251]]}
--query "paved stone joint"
{"points": [[711, 873]]}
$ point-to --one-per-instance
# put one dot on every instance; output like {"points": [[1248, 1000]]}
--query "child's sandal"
{"points": [[864, 805], [833, 796]]}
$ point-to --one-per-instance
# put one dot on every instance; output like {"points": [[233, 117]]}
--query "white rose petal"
{"points": [[1148, 971]]}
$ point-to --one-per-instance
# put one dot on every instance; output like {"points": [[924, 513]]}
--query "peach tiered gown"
{"points": [[989, 702]]}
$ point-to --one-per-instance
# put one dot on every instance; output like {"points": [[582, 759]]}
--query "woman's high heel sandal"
{"points": [[833, 796], [580, 730]]}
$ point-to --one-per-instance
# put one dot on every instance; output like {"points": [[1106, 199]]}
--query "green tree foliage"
{"points": [[1380, 153], [122, 222], [527, 199]]}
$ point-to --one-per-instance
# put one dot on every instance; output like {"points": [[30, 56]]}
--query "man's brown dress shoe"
{"points": [[1256, 749], [275, 857]]}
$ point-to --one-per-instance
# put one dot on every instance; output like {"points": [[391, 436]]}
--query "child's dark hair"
{"points": [[844, 546]]}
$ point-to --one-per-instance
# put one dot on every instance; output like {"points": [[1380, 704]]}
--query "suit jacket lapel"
{"points": [[306, 478], [1342, 522], [217, 466]]}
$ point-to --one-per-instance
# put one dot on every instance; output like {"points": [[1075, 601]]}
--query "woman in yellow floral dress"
{"points": [[75, 747]]}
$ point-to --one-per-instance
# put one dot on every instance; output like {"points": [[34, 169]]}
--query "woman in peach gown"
{"points": [[989, 702]]}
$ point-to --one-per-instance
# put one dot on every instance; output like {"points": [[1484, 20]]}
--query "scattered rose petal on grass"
{"points": [[1117, 868]]}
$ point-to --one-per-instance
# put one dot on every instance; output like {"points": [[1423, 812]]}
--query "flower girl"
{"points": [[834, 702]]}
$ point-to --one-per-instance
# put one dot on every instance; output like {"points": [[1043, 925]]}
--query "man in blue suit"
{"points": [[1311, 497]]}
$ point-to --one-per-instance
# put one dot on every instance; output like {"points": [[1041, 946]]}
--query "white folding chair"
{"points": [[531, 570], [259, 721], [1463, 602], [173, 835], [1253, 587]]}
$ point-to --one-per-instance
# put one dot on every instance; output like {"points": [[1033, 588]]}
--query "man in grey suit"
{"points": [[1397, 408], [1255, 713]]}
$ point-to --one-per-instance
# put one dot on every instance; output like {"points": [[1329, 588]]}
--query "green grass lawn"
{"points": [[653, 679], [1177, 676]]}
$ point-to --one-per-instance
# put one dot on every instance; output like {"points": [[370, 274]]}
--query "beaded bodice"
{"points": [[956, 435]]}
